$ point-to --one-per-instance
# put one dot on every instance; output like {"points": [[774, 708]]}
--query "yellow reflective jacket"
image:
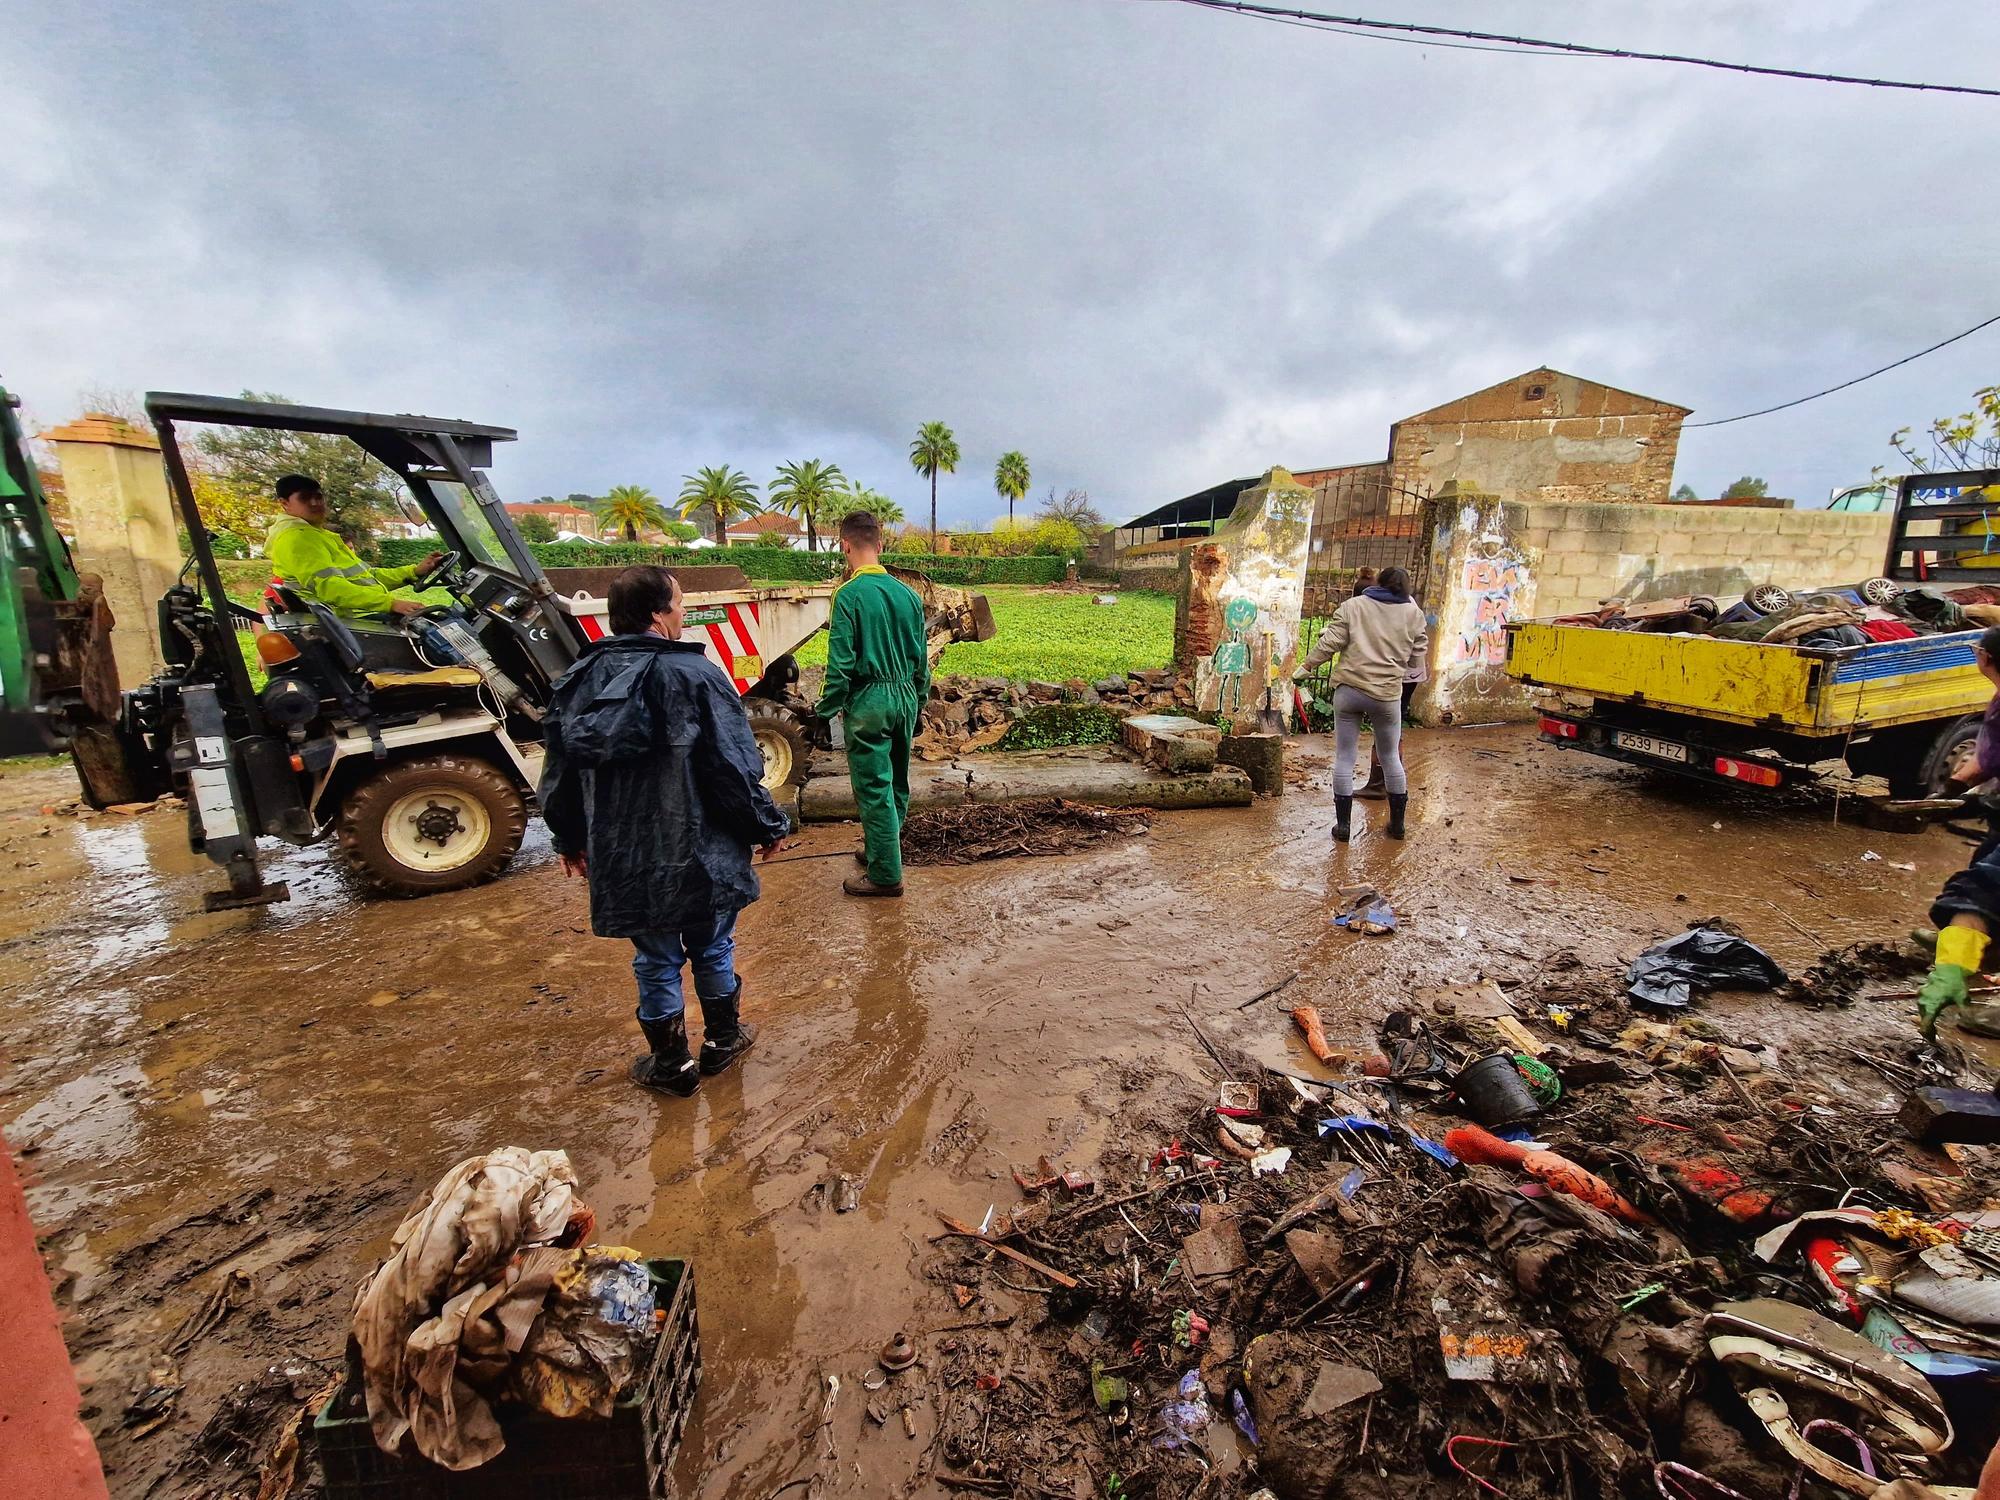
{"points": [[315, 562]]}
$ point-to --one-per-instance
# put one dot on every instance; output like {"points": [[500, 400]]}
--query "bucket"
{"points": [[1494, 1093]]}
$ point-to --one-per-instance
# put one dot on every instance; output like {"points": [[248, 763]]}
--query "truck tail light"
{"points": [[1749, 771], [1559, 729]]}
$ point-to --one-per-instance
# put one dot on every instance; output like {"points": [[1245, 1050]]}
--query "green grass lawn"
{"points": [[1052, 636]]}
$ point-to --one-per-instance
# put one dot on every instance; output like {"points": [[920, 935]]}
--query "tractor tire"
{"points": [[435, 824], [783, 738]]}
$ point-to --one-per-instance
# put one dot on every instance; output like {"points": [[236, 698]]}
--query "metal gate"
{"points": [[1360, 520]]}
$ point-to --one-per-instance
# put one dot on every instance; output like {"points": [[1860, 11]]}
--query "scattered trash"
{"points": [[1494, 1092], [846, 1194], [974, 831], [1308, 1019], [1183, 1418], [1337, 1385], [1667, 974], [898, 1354], [1366, 912], [1272, 1162], [1238, 1101]]}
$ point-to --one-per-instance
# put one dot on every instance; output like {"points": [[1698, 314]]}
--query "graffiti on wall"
{"points": [[1492, 591]]}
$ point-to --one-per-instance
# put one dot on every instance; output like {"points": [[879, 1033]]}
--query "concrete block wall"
{"points": [[1493, 561]]}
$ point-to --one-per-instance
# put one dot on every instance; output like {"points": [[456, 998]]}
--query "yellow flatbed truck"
{"points": [[1750, 713]]}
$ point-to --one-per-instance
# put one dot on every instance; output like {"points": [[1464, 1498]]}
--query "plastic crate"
{"points": [[629, 1457]]}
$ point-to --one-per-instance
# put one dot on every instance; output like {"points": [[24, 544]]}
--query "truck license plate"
{"points": [[1645, 744]]}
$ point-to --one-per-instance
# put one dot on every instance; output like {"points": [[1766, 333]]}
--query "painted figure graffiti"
{"points": [[1492, 587], [1231, 661]]}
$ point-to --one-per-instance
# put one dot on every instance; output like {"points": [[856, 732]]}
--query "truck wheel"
{"points": [[1926, 770], [434, 824], [782, 739]]}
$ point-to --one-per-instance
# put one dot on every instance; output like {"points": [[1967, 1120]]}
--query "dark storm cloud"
{"points": [[1149, 246]]}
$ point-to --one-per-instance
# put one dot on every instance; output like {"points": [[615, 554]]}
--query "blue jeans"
{"points": [[657, 966]]}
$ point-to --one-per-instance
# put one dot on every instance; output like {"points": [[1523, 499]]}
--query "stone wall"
{"points": [[1493, 561], [1544, 436], [1236, 620]]}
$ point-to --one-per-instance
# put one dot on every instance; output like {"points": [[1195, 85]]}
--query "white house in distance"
{"points": [[768, 527], [566, 518]]}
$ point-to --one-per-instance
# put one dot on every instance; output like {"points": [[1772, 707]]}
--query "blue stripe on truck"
{"points": [[1901, 658]]}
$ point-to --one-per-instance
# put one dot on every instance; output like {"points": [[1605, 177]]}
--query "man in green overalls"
{"points": [[878, 674]]}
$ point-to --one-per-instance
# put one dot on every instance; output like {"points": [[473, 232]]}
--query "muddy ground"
{"points": [[196, 1096]]}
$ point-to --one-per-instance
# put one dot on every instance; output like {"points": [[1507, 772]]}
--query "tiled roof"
{"points": [[102, 427]]}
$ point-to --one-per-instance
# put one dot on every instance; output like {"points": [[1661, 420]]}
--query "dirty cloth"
{"points": [[1667, 974], [1385, 719], [1888, 630], [877, 677], [442, 1318], [652, 772], [1378, 644]]}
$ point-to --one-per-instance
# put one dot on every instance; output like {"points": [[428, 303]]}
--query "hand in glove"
{"points": [[1944, 987], [1960, 951]]}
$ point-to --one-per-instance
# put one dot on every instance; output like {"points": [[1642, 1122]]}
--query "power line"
{"points": [[1786, 405], [1530, 46]]}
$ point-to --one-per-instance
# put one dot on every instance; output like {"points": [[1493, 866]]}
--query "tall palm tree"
{"points": [[805, 490], [631, 506], [934, 452], [724, 492], [858, 496], [1010, 478]]}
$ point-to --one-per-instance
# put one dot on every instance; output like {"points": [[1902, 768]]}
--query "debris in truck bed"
{"points": [[987, 830]]}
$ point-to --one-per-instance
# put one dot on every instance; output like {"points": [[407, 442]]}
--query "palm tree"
{"points": [[844, 503], [1010, 478], [723, 491], [804, 490], [631, 506], [934, 452]]}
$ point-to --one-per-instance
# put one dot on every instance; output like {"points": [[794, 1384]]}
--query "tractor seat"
{"points": [[425, 677]]}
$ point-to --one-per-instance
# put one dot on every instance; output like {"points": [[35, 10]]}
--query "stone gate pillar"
{"points": [[126, 529], [1236, 622]]}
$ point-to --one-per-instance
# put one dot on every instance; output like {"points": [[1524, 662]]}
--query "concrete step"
{"points": [[1085, 774]]}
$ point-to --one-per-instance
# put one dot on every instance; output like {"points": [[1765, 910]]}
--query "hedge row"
{"points": [[775, 564]]}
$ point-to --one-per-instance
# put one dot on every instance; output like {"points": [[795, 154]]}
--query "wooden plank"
{"points": [[966, 1231]]}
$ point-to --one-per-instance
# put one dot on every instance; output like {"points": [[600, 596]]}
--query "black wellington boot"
{"points": [[667, 1069], [1343, 818], [726, 1035], [1399, 804]]}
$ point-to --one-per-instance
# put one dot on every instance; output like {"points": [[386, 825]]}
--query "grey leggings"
{"points": [[1385, 716]]}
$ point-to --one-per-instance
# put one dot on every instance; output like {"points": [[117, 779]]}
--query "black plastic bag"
{"points": [[1667, 974]]}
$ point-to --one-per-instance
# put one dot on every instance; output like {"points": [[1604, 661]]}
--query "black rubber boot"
{"points": [[1343, 818], [725, 1034], [667, 1069], [1399, 804]]}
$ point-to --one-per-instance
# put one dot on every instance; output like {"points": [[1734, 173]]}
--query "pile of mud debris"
{"points": [[993, 830], [1522, 1246]]}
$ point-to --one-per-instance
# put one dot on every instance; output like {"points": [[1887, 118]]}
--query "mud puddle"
{"points": [[339, 1054]]}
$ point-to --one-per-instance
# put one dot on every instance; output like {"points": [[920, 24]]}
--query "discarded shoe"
{"points": [[898, 1354], [861, 885]]}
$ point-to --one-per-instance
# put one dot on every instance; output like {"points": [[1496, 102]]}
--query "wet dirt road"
{"points": [[265, 1093]]}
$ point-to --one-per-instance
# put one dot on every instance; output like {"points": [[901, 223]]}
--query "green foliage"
{"points": [[1010, 478], [1970, 440], [1045, 538], [859, 497], [1686, 492], [723, 492], [804, 490], [1074, 507], [248, 462], [1052, 637], [1746, 488], [934, 452], [631, 508], [1054, 724], [535, 527], [771, 563]]}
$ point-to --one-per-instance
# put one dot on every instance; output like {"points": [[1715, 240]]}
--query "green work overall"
{"points": [[877, 677]]}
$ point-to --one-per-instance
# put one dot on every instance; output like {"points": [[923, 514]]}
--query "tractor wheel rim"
{"points": [[777, 752], [436, 829]]}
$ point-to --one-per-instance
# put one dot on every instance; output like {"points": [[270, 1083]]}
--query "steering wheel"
{"points": [[445, 565]]}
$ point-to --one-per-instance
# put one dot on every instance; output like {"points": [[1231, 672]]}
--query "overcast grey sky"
{"points": [[1151, 246]]}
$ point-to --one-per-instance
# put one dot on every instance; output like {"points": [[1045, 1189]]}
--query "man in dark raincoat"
{"points": [[653, 791], [1967, 910], [878, 674]]}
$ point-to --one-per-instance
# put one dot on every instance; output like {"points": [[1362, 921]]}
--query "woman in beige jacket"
{"points": [[1380, 637]]}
